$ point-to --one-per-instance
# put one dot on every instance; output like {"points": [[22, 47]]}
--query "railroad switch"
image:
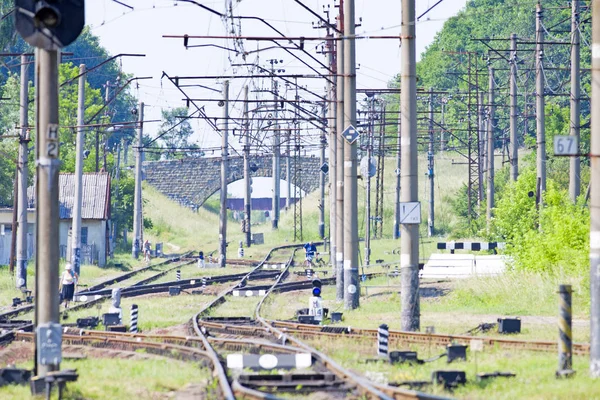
{"points": [[174, 290], [400, 357], [509, 325], [456, 352], [88, 322], [336, 317], [307, 319], [14, 376], [450, 379], [111, 319]]}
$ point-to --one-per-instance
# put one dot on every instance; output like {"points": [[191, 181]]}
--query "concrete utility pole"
{"points": [[351, 283], [137, 202], [409, 257], [595, 198], [333, 139], [431, 219], [575, 170], [490, 144], [396, 233], [21, 278], [247, 183], [47, 207], [539, 106], [224, 173], [288, 165], [322, 180], [514, 142], [367, 179], [482, 133], [13, 236], [339, 209], [76, 227], [276, 167], [443, 127]]}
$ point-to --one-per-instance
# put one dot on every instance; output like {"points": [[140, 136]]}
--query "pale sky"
{"points": [[122, 30]]}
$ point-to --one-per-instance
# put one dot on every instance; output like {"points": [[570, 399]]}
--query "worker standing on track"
{"points": [[68, 282], [311, 250], [147, 251], [201, 260]]}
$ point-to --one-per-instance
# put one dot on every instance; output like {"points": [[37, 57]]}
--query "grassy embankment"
{"points": [[182, 229]]}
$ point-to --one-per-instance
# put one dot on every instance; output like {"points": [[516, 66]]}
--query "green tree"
{"points": [[175, 133]]}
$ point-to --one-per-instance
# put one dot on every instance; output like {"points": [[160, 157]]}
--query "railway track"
{"points": [[6, 316], [258, 336], [215, 337], [311, 331], [186, 349]]}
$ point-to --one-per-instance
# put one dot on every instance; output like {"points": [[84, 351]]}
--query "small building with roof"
{"points": [[95, 219]]}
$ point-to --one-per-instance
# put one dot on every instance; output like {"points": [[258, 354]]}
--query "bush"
{"points": [[553, 240]]}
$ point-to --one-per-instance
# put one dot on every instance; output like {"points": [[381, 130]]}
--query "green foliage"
{"points": [[553, 240], [469, 223], [68, 100], [122, 192], [175, 133]]}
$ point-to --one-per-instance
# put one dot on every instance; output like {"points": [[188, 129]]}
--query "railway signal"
{"points": [[315, 303], [48, 25]]}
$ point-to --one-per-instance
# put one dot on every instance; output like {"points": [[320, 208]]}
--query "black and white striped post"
{"points": [[203, 282], [178, 275], [383, 334], [565, 337], [133, 328]]}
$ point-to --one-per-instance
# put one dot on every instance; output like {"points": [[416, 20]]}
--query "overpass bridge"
{"points": [[191, 181]]}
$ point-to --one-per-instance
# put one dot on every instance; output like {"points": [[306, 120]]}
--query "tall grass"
{"points": [[515, 293]]}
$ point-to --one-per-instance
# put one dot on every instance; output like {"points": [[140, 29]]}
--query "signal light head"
{"points": [[47, 15], [316, 291]]}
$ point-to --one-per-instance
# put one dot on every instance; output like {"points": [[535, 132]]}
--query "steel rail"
{"points": [[5, 316], [186, 341], [434, 338], [365, 387], [219, 370], [134, 344], [200, 332]]}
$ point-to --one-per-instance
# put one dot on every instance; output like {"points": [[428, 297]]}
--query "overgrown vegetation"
{"points": [[553, 238]]}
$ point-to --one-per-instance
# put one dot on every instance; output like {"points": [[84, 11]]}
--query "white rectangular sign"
{"points": [[410, 213], [566, 146]]}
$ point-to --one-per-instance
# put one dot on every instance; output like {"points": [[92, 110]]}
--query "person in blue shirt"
{"points": [[201, 259], [311, 250]]}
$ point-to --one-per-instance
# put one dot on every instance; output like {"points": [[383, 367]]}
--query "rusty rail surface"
{"points": [[425, 338]]}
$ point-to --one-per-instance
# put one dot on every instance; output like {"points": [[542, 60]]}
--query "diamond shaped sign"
{"points": [[350, 134], [325, 168]]}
